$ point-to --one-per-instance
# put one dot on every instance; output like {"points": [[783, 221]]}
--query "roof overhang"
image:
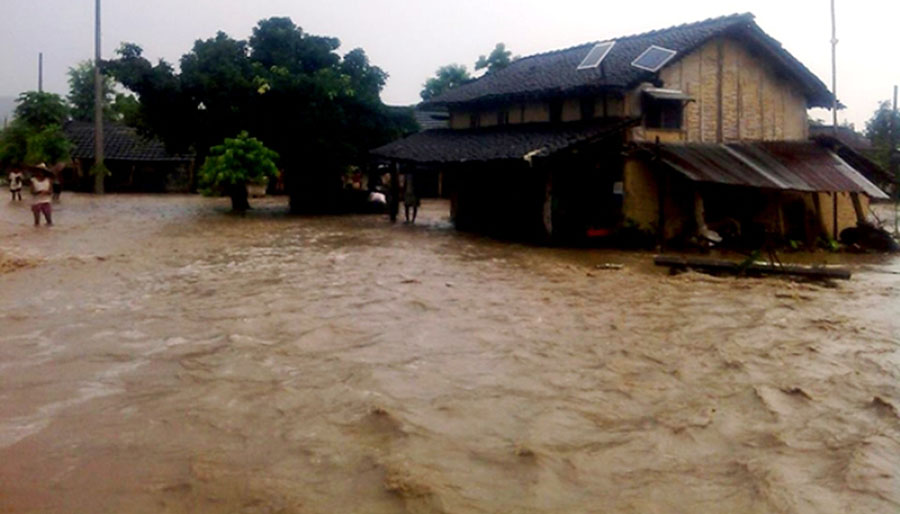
{"points": [[783, 165], [514, 142], [659, 93]]}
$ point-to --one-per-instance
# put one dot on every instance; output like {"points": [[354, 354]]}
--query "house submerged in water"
{"points": [[688, 130]]}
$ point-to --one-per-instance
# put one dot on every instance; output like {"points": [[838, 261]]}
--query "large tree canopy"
{"points": [[116, 106], [35, 135], [454, 75], [446, 77], [498, 59], [319, 110], [878, 130]]}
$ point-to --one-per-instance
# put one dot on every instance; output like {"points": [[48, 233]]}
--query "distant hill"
{"points": [[7, 106]]}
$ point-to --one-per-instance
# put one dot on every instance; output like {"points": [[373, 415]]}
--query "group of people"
{"points": [[44, 191]]}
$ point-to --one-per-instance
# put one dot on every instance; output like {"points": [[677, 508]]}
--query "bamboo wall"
{"points": [[738, 96]]}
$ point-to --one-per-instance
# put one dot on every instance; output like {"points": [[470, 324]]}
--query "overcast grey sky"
{"points": [[410, 39]]}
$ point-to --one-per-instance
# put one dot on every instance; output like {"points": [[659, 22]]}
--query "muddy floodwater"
{"points": [[159, 355]]}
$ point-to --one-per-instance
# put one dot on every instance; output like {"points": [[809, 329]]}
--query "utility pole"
{"points": [[99, 168], [834, 41], [834, 109], [893, 157], [40, 72]]}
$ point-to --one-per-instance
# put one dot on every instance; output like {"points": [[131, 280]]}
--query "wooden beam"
{"points": [[834, 201], [753, 268], [857, 207]]}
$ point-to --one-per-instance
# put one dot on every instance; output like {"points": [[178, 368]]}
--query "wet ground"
{"points": [[160, 355]]}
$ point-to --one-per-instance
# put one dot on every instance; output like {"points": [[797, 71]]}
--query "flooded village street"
{"points": [[160, 355]]}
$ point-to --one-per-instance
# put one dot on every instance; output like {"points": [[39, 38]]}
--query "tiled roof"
{"points": [[430, 120], [498, 143], [845, 135], [120, 142], [555, 73], [792, 166]]}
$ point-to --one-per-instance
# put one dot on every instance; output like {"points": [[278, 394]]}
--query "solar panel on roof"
{"points": [[596, 55], [653, 58]]}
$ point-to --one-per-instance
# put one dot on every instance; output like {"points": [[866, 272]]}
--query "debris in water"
{"points": [[796, 391], [523, 451], [9, 264], [677, 263], [884, 407]]}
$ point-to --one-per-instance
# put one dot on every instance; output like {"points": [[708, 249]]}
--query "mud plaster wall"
{"points": [[846, 212], [757, 103], [641, 202]]}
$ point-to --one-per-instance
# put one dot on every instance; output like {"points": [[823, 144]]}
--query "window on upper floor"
{"points": [[587, 108], [556, 107], [663, 114]]}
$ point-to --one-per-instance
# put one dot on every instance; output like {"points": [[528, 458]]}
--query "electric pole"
{"points": [[893, 158], [834, 109], [99, 168], [834, 103], [40, 72]]}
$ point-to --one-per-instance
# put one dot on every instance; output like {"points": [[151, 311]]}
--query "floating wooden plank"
{"points": [[752, 268]]}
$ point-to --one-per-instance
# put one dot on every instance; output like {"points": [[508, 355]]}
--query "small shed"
{"points": [[136, 163]]}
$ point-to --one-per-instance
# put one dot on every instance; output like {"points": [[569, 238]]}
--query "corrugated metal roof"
{"points": [[795, 166]]}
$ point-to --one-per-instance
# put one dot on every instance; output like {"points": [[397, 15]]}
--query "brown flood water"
{"points": [[158, 355]]}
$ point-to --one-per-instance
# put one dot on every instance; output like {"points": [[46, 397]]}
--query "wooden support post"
{"points": [[857, 207], [394, 206], [834, 231], [661, 192], [817, 205]]}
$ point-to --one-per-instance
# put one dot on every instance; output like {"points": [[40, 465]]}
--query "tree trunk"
{"points": [[238, 194]]}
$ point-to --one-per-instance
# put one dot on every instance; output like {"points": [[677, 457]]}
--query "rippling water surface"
{"points": [[159, 355]]}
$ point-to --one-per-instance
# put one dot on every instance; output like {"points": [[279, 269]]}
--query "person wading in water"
{"points": [[16, 177], [42, 190]]}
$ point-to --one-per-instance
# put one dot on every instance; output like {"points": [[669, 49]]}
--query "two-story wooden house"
{"points": [[682, 131]]}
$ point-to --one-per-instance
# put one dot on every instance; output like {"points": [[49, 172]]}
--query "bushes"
{"points": [[235, 163]]}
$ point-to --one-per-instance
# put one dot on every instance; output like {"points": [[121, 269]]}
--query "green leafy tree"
{"points": [[234, 164], [446, 77], [35, 136], [878, 130], [48, 145], [81, 92], [163, 109], [279, 42], [319, 110], [38, 109], [498, 59]]}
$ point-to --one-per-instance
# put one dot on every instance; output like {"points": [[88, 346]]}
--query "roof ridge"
{"points": [[746, 15]]}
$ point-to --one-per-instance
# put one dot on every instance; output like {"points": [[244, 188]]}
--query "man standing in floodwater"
{"points": [[16, 177], [42, 190]]}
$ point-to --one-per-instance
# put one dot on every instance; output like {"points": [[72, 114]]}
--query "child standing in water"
{"points": [[15, 184], [42, 190]]}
